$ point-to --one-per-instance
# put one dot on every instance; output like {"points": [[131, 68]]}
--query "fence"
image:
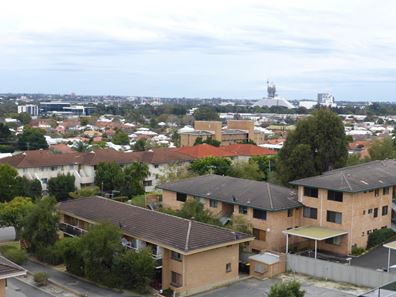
{"points": [[338, 272]]}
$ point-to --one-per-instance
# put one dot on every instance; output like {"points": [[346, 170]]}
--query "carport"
{"points": [[390, 246], [315, 233]]}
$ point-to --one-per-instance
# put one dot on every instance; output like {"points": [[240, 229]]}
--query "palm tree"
{"points": [[81, 147]]}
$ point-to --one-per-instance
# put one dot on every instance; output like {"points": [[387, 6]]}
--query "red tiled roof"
{"points": [[61, 147], [205, 150], [248, 150]]}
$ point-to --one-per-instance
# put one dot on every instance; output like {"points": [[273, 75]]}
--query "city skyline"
{"points": [[223, 49]]}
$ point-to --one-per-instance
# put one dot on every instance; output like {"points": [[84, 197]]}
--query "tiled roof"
{"points": [[238, 191], [205, 150], [152, 226], [248, 150], [9, 269], [357, 178]]}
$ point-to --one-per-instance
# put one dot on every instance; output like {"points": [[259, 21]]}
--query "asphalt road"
{"points": [[16, 288], [375, 259]]}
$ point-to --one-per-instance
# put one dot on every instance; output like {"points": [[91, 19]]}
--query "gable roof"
{"points": [[205, 150], [170, 231], [251, 193], [10, 269], [353, 179], [248, 150]]}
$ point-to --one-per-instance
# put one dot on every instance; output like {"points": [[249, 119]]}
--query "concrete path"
{"points": [[16, 288], [74, 283]]}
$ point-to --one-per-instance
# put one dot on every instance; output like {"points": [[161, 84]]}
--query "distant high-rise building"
{"points": [[326, 99], [31, 109]]}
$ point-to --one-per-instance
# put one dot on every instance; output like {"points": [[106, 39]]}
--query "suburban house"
{"points": [[190, 256], [237, 131], [269, 208], [8, 269], [354, 200]]}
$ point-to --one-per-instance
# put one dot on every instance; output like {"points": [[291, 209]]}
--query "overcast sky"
{"points": [[214, 48]]}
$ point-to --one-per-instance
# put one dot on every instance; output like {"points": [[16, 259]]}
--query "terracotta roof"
{"points": [[10, 269], [160, 156], [205, 150], [61, 147], [176, 233], [248, 150], [251, 193]]}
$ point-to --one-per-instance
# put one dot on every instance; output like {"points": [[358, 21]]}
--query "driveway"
{"points": [[375, 259], [257, 288], [77, 284], [16, 288]]}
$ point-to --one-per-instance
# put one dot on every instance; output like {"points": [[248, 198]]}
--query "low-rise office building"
{"points": [[269, 208], [190, 256]]}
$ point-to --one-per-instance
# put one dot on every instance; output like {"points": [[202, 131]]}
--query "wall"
{"points": [[247, 125], [213, 126], [2, 287], [271, 270], [338, 272]]}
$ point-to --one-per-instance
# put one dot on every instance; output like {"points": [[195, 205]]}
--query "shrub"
{"points": [[40, 278], [379, 236], [15, 254], [289, 289], [357, 251], [52, 254]]}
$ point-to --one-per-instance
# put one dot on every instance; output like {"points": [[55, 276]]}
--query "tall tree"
{"points": [[320, 138], [109, 176], [32, 139], [246, 170], [140, 145], [215, 165], [134, 176], [14, 212], [8, 182], [61, 186], [24, 118], [81, 147], [382, 149], [120, 138], [206, 113], [41, 224]]}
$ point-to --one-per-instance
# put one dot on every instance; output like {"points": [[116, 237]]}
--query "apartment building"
{"points": [[237, 131], [269, 208], [356, 200], [191, 257]]}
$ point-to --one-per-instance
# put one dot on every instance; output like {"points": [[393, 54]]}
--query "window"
{"points": [[364, 212], [259, 268], [259, 234], [370, 211], [334, 240], [255, 251], [53, 168], [375, 212], [385, 191], [290, 212], [334, 196], [310, 212], [156, 166], [259, 214], [311, 192], [71, 167], [334, 217], [176, 279], [385, 210], [181, 197], [148, 183], [228, 267], [376, 192], [176, 256], [213, 203], [44, 180], [242, 209]]}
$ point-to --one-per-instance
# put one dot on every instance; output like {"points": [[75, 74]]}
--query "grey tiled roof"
{"points": [[152, 226], [239, 191], [8, 268], [358, 178]]}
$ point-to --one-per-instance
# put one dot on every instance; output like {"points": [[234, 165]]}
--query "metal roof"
{"points": [[391, 245], [315, 232]]}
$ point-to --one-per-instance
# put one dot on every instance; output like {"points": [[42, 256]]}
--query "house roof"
{"points": [[170, 231], [248, 150], [10, 269], [353, 179], [160, 156], [261, 195], [205, 150]]}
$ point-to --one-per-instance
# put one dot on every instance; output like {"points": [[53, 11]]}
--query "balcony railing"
{"points": [[71, 230]]}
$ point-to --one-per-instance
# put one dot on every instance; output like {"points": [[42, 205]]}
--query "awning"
{"points": [[390, 245], [315, 232]]}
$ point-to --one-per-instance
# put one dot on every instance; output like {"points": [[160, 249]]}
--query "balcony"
{"points": [[71, 230]]}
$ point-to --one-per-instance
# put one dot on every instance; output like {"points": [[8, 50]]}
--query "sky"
{"points": [[201, 48]]}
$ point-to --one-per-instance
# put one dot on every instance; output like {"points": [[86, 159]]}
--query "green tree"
{"points": [[61, 186], [215, 165], [27, 188], [321, 139], [239, 223], [109, 176], [71, 250], [100, 245], [206, 113], [140, 145], [81, 147], [84, 121], [208, 140], [175, 172], [267, 164], [246, 170], [382, 149], [41, 225], [8, 181], [287, 289], [5, 133], [14, 212], [194, 209], [24, 118], [32, 139], [134, 176], [120, 138], [85, 192]]}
